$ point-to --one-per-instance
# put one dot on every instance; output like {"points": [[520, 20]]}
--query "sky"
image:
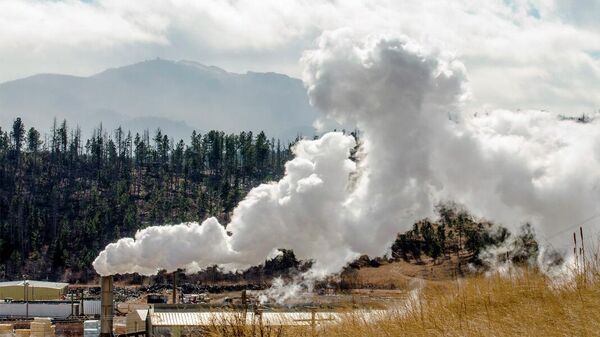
{"points": [[510, 167], [519, 54]]}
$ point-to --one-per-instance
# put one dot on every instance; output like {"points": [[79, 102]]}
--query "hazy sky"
{"points": [[542, 54]]}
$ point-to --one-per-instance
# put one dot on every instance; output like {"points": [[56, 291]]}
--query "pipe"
{"points": [[106, 306], [175, 287]]}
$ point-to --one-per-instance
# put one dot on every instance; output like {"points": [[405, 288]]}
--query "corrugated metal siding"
{"points": [[58, 310], [218, 318], [91, 328], [164, 319], [296, 318], [91, 307], [190, 318]]}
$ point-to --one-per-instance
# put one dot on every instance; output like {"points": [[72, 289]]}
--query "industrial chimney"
{"points": [[175, 287], [106, 306]]}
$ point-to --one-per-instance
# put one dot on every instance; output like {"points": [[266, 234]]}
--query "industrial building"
{"points": [[170, 320], [179, 320], [24, 299], [29, 290], [190, 320]]}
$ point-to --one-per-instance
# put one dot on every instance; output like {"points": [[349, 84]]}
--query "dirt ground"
{"points": [[404, 275]]}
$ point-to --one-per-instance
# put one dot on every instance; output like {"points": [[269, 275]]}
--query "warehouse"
{"points": [[28, 290], [178, 322]]}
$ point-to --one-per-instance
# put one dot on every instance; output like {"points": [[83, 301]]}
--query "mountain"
{"points": [[174, 96]]}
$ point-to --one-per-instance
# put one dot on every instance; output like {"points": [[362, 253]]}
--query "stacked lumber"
{"points": [[22, 332], [6, 330], [41, 327]]}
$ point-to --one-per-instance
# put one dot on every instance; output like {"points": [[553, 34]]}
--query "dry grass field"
{"points": [[399, 274], [527, 303]]}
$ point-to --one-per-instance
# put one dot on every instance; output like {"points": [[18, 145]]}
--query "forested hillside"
{"points": [[63, 198]]}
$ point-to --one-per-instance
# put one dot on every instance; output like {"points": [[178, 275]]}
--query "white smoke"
{"points": [[281, 292], [417, 149], [301, 212]]}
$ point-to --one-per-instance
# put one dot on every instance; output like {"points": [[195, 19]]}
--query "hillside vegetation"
{"points": [[63, 198]]}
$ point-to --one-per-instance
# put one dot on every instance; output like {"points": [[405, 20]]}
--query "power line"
{"points": [[573, 226]]}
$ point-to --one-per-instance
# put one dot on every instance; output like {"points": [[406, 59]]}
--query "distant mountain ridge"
{"points": [[176, 96]]}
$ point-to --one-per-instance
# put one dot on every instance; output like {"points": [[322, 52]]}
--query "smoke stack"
{"points": [[175, 287], [106, 306]]}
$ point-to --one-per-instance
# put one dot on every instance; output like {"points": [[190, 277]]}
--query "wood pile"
{"points": [[42, 327], [22, 332], [69, 329], [6, 330]]}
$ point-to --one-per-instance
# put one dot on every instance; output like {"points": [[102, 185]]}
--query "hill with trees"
{"points": [[63, 198]]}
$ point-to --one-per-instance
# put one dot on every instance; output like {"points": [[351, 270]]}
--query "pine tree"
{"points": [[74, 200]]}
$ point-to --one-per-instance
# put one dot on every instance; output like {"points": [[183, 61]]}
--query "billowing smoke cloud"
{"points": [[420, 148], [301, 212], [417, 149]]}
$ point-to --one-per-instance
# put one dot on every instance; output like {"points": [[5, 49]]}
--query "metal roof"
{"points": [[175, 318], [298, 318], [192, 318], [142, 314], [35, 284]]}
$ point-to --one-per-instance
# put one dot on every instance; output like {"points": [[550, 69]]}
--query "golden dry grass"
{"points": [[400, 273], [529, 304]]}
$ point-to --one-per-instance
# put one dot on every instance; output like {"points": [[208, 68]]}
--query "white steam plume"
{"points": [[418, 149], [301, 212]]}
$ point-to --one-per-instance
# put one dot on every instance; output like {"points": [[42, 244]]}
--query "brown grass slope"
{"points": [[527, 303]]}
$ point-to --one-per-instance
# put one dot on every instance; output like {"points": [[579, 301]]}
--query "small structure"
{"points": [[192, 320], [136, 320], [29, 290], [91, 328]]}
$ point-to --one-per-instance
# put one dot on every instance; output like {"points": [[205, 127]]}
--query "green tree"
{"points": [[33, 140]]}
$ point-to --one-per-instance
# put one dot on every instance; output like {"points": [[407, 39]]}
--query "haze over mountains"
{"points": [[176, 97]]}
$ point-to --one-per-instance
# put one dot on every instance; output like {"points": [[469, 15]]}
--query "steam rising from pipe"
{"points": [[418, 148]]}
